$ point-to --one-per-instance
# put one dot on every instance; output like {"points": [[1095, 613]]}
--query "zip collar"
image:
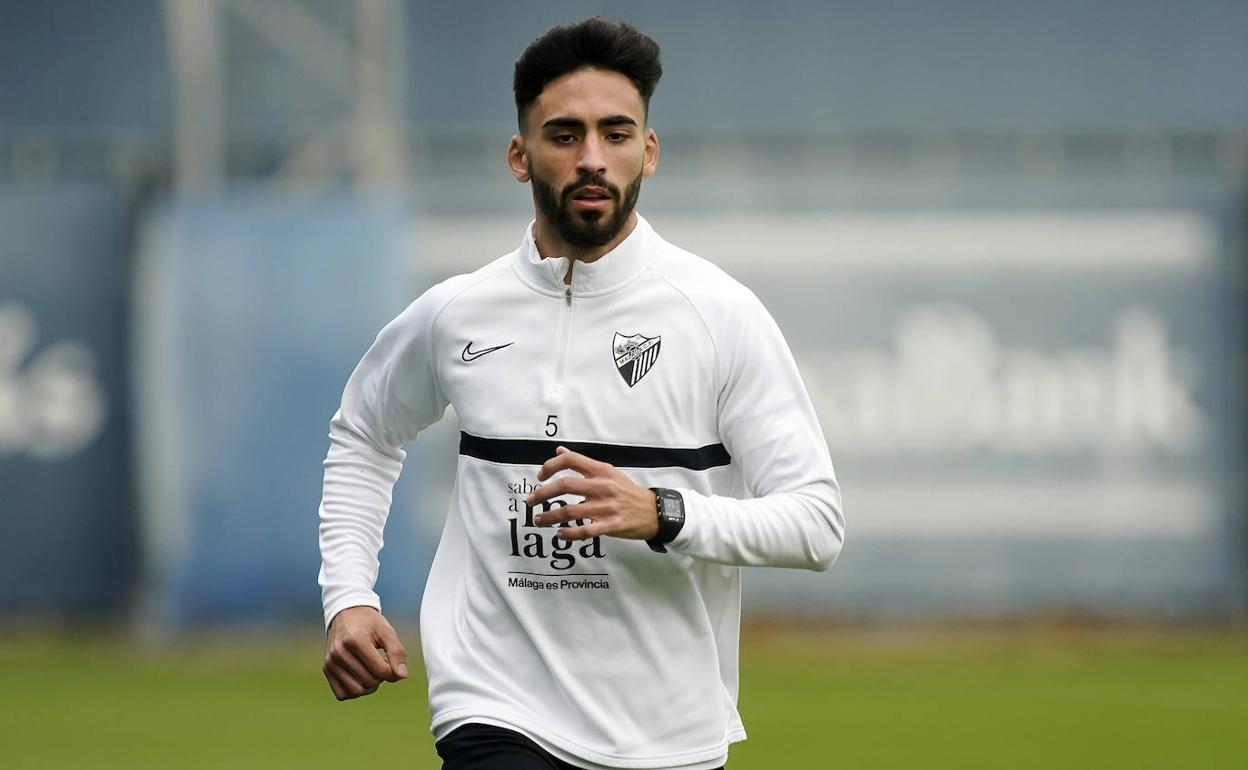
{"points": [[607, 273]]}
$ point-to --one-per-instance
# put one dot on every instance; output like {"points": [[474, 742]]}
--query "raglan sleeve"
{"points": [[392, 395], [793, 517]]}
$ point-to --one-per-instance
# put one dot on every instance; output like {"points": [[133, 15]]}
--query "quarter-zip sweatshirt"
{"points": [[604, 652]]}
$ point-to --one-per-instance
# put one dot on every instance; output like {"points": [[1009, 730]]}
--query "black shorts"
{"points": [[484, 747]]}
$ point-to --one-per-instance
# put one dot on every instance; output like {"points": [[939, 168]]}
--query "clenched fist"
{"points": [[362, 651]]}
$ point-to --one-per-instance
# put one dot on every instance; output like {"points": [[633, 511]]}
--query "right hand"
{"points": [[362, 651]]}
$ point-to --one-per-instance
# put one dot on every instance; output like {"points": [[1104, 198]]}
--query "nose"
{"points": [[593, 159]]}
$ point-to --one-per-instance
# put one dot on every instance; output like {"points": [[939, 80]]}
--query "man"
{"points": [[634, 431]]}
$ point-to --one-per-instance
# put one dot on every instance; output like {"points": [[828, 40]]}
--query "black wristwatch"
{"points": [[670, 507]]}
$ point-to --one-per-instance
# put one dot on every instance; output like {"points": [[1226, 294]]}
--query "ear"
{"points": [[650, 161], [518, 159]]}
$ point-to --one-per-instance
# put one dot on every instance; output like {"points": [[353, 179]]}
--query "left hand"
{"points": [[614, 504]]}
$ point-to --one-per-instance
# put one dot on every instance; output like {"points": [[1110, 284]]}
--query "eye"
{"points": [[618, 136], [563, 138]]}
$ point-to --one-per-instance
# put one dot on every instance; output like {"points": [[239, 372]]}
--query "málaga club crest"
{"points": [[634, 355]]}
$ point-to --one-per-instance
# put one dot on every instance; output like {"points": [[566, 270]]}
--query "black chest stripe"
{"points": [[518, 451]]}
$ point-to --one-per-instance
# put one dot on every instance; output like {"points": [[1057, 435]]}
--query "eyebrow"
{"points": [[610, 120]]}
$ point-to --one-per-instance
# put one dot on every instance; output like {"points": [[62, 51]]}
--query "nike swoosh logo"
{"points": [[470, 355]]}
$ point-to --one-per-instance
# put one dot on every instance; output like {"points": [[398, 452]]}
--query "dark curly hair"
{"points": [[595, 42]]}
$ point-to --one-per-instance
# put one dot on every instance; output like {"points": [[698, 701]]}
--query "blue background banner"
{"points": [[255, 310], [68, 544]]}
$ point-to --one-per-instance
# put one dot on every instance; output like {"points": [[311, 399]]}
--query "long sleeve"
{"points": [[769, 427], [392, 395]]}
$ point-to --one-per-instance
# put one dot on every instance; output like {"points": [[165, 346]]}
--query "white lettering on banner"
{"points": [[54, 407], [949, 385]]}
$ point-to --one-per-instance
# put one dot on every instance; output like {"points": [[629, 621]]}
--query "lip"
{"points": [[591, 204], [600, 200]]}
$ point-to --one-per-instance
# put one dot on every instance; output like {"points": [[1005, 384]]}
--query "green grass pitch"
{"points": [[811, 699]]}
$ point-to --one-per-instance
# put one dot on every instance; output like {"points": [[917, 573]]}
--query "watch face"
{"points": [[673, 506]]}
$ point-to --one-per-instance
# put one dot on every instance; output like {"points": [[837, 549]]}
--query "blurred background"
{"points": [[1006, 242]]}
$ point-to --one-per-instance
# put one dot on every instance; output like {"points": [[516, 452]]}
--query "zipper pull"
{"points": [[567, 295]]}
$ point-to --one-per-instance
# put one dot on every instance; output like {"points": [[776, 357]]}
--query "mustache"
{"points": [[591, 180]]}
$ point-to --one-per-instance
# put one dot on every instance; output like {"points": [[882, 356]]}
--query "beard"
{"points": [[586, 229]]}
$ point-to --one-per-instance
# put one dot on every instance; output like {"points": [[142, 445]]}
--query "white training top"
{"points": [[605, 653]]}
